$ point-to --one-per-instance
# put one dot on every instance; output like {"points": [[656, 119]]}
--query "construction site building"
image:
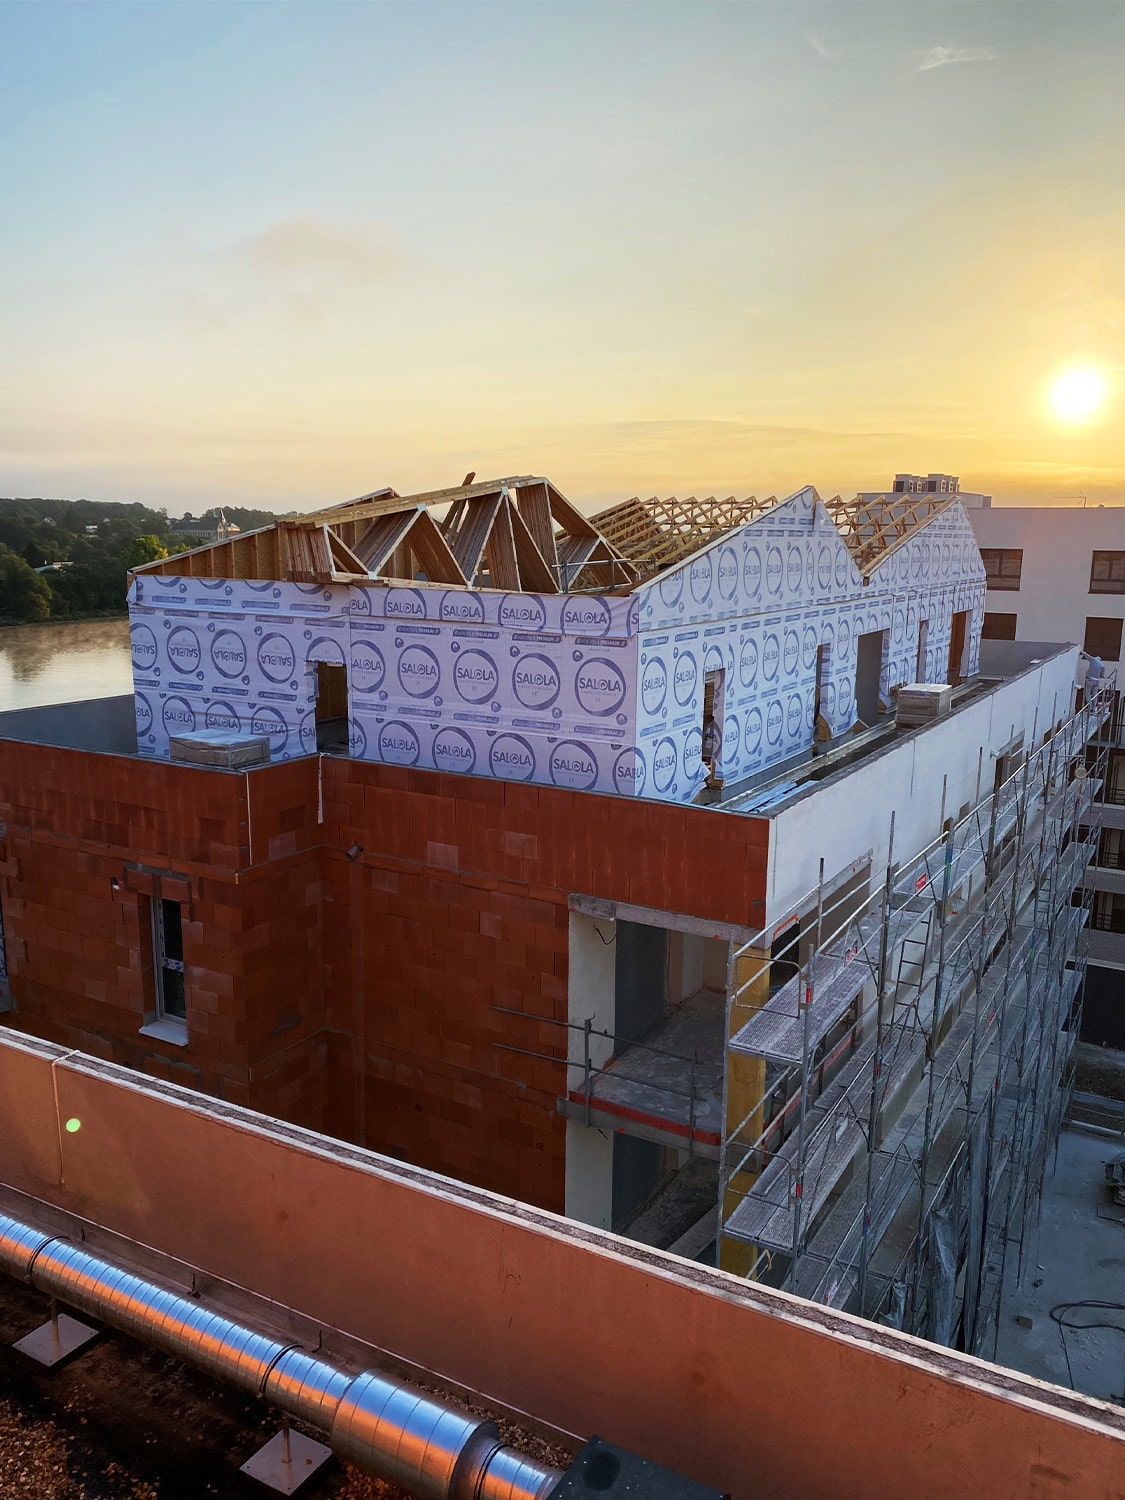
{"points": [[802, 1000]]}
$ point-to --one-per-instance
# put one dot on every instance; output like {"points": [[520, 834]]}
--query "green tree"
{"points": [[23, 594], [144, 549]]}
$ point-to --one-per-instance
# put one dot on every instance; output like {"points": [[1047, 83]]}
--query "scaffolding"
{"points": [[914, 1044]]}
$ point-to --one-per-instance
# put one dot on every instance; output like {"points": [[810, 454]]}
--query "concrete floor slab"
{"points": [[1080, 1256]]}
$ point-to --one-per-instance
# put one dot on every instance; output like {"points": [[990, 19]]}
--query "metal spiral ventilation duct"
{"points": [[407, 1438]]}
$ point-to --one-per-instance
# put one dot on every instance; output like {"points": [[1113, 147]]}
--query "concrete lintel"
{"points": [[622, 911]]}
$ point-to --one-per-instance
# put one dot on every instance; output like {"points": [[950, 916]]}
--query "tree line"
{"points": [[96, 543]]}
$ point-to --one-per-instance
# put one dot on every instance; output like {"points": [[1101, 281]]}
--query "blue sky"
{"points": [[278, 255]]}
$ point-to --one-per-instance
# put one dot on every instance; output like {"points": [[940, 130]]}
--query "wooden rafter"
{"points": [[872, 525], [515, 534], [656, 533]]}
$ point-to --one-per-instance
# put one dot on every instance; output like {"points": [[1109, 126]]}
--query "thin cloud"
{"points": [[944, 57], [819, 46]]}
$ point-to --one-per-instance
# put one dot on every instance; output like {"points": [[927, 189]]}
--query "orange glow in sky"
{"points": [[282, 255]]}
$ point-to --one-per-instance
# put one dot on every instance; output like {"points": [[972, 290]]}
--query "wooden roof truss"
{"points": [[520, 535], [871, 526], [656, 534]]}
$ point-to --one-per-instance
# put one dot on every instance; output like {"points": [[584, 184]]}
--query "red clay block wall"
{"points": [[362, 995], [453, 911]]}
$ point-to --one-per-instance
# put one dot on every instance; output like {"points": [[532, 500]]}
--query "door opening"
{"points": [[923, 643], [868, 672], [712, 718], [332, 708], [957, 646], [822, 730]]}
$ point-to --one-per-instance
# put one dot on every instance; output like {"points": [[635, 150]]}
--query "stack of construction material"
{"points": [[922, 702], [219, 747]]}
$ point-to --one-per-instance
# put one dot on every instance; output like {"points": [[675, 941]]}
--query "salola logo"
{"points": [[748, 662], [900, 624], [808, 647], [398, 744], [752, 572], [774, 720], [672, 588], [844, 639], [771, 656], [454, 751], [143, 710], [462, 608], [700, 578], [405, 604], [475, 677], [276, 658], [774, 569], [535, 681], [794, 569], [418, 672], [792, 652], [727, 573], [654, 685], [228, 653], [512, 758], [793, 716], [585, 616], [269, 721], [664, 765], [753, 732], [824, 568], [522, 612], [144, 647], [841, 568], [685, 675], [178, 716], [368, 667], [183, 650], [629, 773], [572, 764], [599, 687], [693, 754], [223, 716]]}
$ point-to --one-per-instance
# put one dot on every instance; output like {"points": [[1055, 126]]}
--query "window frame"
{"points": [[1102, 620], [1005, 579], [1112, 562], [993, 615], [164, 1020]]}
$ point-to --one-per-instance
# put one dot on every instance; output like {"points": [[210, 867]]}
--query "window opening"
{"points": [[1002, 566], [1103, 638], [1107, 573], [168, 958], [922, 665], [998, 627]]}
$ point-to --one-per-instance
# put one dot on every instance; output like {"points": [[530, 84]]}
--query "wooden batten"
{"points": [[433, 551], [500, 550], [536, 574], [472, 537]]}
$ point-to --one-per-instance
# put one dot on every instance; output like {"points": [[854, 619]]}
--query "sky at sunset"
{"points": [[281, 255]]}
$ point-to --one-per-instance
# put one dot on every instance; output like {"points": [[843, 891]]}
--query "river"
{"points": [[64, 662]]}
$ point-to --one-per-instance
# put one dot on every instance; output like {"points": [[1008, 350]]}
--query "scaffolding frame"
{"points": [[918, 1046]]}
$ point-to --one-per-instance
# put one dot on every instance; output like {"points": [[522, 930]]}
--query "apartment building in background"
{"points": [[1057, 573]]}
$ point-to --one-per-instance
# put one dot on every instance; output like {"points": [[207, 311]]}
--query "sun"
{"points": [[1077, 394]]}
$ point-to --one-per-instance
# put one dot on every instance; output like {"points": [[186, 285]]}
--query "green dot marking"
{"points": [[73, 1124]]}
